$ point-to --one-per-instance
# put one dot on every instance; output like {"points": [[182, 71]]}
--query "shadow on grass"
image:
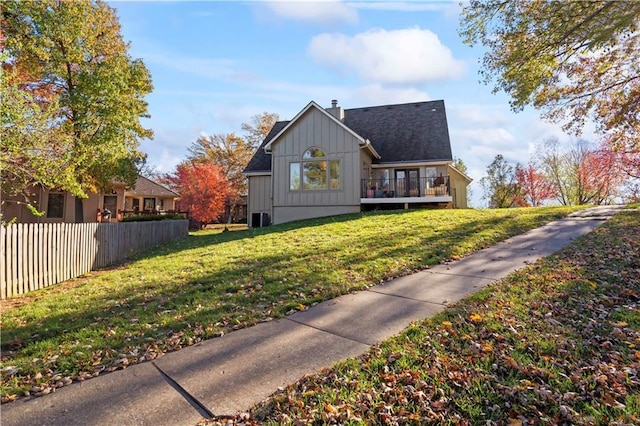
{"points": [[557, 334], [191, 297]]}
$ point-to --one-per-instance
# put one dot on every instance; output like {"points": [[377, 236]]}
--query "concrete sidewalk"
{"points": [[231, 374]]}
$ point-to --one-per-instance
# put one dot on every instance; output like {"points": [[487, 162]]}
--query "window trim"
{"points": [[306, 158]]}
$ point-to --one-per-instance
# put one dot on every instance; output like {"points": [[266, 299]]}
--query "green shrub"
{"points": [[149, 217]]}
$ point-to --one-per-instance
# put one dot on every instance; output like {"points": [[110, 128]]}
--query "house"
{"points": [[62, 206], [334, 161], [147, 196]]}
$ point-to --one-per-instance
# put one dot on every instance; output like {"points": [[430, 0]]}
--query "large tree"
{"points": [[534, 186], [232, 153], [73, 70], [28, 147], [202, 188], [499, 184], [581, 173], [259, 127], [575, 60]]}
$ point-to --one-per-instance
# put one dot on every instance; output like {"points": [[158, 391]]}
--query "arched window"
{"points": [[315, 173], [313, 153]]}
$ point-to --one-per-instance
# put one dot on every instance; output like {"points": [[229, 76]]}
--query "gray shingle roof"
{"points": [[403, 132], [147, 187], [261, 161]]}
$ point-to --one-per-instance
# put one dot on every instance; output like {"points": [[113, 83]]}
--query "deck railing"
{"points": [[424, 187]]}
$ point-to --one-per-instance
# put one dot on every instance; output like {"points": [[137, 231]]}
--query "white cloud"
{"points": [[411, 55], [321, 12]]}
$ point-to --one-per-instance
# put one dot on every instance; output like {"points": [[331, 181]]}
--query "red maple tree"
{"points": [[599, 175], [534, 187], [202, 188]]}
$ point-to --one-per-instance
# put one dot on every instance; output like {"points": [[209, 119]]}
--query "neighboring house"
{"points": [[332, 161], [61, 206], [149, 196]]}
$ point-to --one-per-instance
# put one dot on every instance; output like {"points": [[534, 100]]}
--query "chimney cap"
{"points": [[334, 103]]}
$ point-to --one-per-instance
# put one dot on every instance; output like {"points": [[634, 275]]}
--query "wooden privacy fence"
{"points": [[37, 255]]}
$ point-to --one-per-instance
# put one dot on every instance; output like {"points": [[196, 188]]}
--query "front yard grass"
{"points": [[555, 343], [212, 283]]}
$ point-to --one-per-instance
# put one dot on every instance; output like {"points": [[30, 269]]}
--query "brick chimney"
{"points": [[335, 110]]}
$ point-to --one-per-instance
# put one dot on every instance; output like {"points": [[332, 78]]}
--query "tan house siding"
{"points": [[315, 129], [116, 200], [458, 183], [22, 214], [259, 198], [289, 214]]}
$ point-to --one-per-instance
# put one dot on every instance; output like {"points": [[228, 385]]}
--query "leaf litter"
{"points": [[555, 343]]}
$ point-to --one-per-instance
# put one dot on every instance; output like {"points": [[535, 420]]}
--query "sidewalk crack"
{"points": [[327, 331], [197, 405]]}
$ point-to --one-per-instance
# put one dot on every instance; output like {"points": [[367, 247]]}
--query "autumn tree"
{"points": [[575, 60], [202, 188], [581, 173], [534, 186], [28, 151], [81, 89], [232, 153], [499, 184], [259, 128]]}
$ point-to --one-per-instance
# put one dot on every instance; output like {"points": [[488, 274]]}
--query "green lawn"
{"points": [[213, 282], [555, 343]]}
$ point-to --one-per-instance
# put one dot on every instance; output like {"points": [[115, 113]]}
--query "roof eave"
{"points": [[367, 145], [412, 162], [258, 173], [464, 175]]}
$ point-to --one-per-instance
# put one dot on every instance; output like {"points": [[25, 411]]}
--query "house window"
{"points": [[55, 205], [313, 153], [316, 173], [294, 176], [334, 174], [149, 204]]}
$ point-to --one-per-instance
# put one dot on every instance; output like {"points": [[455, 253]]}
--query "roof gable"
{"points": [[310, 105]]}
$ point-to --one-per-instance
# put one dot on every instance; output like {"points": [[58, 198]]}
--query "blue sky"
{"points": [[215, 64]]}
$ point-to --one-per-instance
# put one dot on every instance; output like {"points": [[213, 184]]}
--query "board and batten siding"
{"points": [[259, 199], [315, 129]]}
